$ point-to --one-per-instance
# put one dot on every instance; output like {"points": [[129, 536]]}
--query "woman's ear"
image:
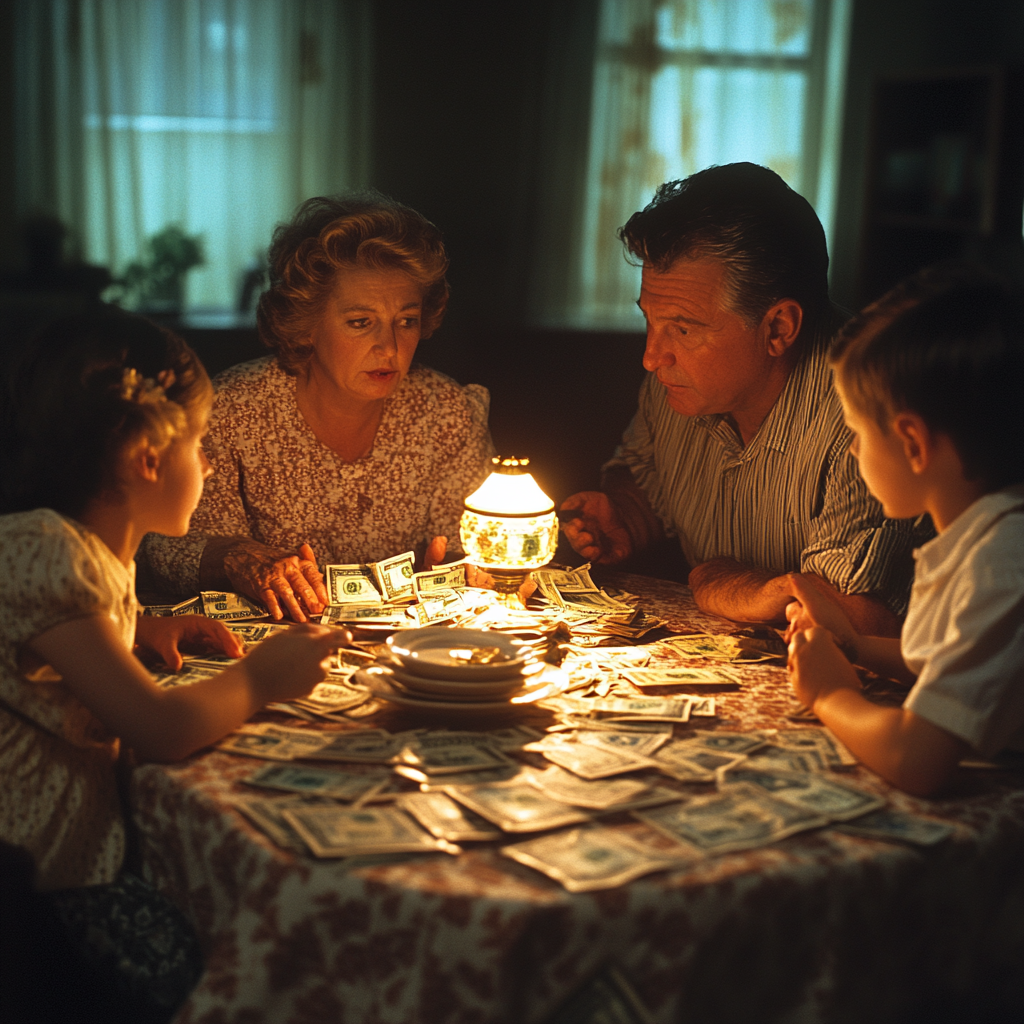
{"points": [[917, 439]]}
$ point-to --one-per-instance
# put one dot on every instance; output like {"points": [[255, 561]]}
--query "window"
{"points": [[680, 85], [218, 116]]}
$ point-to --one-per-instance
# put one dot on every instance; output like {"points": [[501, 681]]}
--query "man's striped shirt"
{"points": [[791, 500]]}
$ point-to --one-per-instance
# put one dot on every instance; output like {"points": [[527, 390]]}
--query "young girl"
{"points": [[931, 378], [100, 444]]}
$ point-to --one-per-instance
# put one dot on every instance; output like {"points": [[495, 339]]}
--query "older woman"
{"points": [[338, 443]]}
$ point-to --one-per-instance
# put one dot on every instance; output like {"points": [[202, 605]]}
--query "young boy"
{"points": [[931, 379]]}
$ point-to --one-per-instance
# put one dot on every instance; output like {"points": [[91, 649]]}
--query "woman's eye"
{"points": [[410, 321], [359, 324]]}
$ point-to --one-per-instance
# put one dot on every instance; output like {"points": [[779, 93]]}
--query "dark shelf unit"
{"points": [[945, 172]]}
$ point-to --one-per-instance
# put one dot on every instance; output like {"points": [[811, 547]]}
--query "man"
{"points": [[738, 447]]}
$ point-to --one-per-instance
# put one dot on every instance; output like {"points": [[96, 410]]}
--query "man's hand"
{"points": [[285, 581], [164, 637], [598, 533], [817, 667]]}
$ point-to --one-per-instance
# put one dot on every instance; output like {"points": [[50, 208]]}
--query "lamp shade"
{"points": [[509, 523]]}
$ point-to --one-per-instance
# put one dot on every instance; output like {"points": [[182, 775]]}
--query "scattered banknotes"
{"points": [[742, 818], [896, 826], [516, 806], [810, 790], [274, 742], [267, 815], [446, 818], [568, 788], [446, 758], [368, 746], [333, 831], [316, 781], [596, 857], [586, 760], [351, 584]]}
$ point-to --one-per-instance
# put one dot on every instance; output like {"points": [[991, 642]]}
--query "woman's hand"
{"points": [[817, 666], [165, 637], [286, 582], [289, 664], [812, 607]]}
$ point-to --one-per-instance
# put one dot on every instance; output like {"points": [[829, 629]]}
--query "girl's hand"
{"points": [[165, 636], [811, 608], [289, 664], [817, 666]]}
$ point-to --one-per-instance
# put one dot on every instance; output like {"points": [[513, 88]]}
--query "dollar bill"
{"points": [[742, 818], [351, 584], [666, 709], [724, 742], [438, 606], [185, 676], [252, 633], [451, 576], [702, 707], [446, 818], [448, 758], [189, 607], [811, 791], [568, 788], [229, 607], [587, 761], [820, 740], [633, 743], [267, 816], [771, 756], [394, 577], [674, 760], [514, 737], [333, 696], [684, 678], [364, 614], [274, 742], [345, 832], [717, 647], [896, 826], [434, 783], [589, 723], [368, 746], [516, 806], [595, 857], [319, 781]]}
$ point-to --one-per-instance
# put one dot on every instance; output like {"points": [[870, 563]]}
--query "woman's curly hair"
{"points": [[329, 235]]}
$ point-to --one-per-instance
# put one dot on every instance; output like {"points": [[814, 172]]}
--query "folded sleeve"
{"points": [[972, 682], [853, 545], [462, 468], [171, 564]]}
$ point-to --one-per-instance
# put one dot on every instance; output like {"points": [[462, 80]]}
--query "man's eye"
{"points": [[410, 321]]}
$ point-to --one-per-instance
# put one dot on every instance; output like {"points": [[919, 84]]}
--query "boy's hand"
{"points": [[812, 607], [165, 636], [817, 667], [289, 664]]}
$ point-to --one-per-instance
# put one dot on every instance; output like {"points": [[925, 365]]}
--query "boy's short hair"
{"points": [[947, 344]]}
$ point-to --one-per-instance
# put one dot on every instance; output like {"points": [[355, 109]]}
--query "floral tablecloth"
{"points": [[819, 927]]}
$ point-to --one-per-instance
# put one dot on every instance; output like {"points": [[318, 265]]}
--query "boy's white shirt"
{"points": [[964, 633]]}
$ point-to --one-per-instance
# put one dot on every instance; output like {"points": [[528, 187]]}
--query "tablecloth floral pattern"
{"points": [[819, 927]]}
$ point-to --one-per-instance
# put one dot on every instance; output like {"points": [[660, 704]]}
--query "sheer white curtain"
{"points": [[215, 115], [679, 85]]}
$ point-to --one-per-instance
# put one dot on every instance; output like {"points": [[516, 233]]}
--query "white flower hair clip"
{"points": [[139, 389]]}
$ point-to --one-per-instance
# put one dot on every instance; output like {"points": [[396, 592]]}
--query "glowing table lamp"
{"points": [[509, 526]]}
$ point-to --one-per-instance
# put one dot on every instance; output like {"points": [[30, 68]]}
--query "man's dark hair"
{"points": [[767, 235], [947, 344]]}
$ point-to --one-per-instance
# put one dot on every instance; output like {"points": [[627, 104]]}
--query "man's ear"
{"points": [[918, 441], [782, 325]]}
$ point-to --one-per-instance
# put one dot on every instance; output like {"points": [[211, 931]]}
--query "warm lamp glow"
{"points": [[509, 526]]}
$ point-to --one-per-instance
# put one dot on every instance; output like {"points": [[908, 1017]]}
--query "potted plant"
{"points": [[156, 284]]}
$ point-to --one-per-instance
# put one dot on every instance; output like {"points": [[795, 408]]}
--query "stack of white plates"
{"points": [[459, 670]]}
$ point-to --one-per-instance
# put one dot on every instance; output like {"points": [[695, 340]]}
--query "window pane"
{"points": [[777, 27]]}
